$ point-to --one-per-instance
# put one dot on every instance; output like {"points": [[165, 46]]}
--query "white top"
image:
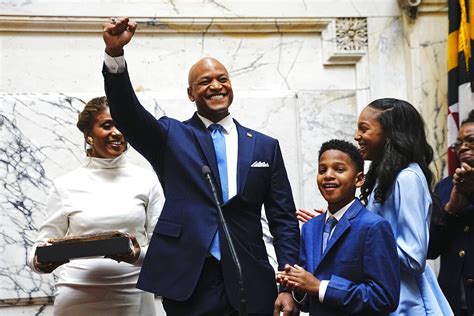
{"points": [[102, 195]]}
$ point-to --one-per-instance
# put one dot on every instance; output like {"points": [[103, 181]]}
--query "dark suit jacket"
{"points": [[177, 151], [360, 262], [449, 235]]}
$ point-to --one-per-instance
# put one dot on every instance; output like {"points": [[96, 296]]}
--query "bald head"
{"points": [[210, 88], [204, 63]]}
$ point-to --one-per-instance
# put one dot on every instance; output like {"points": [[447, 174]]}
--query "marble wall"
{"points": [[301, 72]]}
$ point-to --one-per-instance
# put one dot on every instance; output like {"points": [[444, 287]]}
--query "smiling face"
{"points": [[338, 178], [210, 89], [370, 135], [107, 141], [466, 138]]}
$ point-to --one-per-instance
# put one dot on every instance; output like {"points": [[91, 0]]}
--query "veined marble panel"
{"points": [[39, 142], [427, 61], [160, 62], [322, 115], [387, 70]]}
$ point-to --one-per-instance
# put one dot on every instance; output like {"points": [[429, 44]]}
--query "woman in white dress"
{"points": [[105, 193]]}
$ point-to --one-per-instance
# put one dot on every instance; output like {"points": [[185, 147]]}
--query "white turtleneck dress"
{"points": [[102, 195]]}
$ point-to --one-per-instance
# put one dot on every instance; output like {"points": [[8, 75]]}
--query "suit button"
{"points": [[462, 253], [470, 282], [466, 229]]}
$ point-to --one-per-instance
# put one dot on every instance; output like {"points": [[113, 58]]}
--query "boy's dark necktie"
{"points": [[328, 226]]}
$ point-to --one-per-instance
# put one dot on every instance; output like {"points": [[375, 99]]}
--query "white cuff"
{"points": [[322, 289], [114, 65]]}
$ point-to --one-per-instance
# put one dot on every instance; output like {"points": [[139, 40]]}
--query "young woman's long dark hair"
{"points": [[405, 142]]}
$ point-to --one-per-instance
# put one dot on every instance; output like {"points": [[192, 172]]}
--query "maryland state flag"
{"points": [[460, 69]]}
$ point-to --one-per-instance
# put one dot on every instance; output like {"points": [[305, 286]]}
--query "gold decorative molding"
{"points": [[165, 25]]}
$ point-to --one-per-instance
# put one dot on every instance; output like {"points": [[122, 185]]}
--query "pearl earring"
{"points": [[90, 140]]}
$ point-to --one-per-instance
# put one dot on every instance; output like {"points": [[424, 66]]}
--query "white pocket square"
{"points": [[260, 164]]}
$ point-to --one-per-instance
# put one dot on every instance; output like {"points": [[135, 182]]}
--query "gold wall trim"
{"points": [[56, 24]]}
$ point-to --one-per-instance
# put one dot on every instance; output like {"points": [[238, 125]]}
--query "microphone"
{"points": [[243, 296]]}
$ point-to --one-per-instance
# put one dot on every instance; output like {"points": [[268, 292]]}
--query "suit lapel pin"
{"points": [[249, 134]]}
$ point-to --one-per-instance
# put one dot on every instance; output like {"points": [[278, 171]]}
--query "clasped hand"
{"points": [[297, 278], [463, 179], [463, 187]]}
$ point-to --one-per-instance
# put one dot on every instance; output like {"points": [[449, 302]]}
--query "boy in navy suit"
{"points": [[348, 259]]}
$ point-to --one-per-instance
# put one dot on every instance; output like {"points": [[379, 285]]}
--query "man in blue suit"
{"points": [[188, 261], [349, 262]]}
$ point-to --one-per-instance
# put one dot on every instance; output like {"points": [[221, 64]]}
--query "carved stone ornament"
{"points": [[351, 34]]}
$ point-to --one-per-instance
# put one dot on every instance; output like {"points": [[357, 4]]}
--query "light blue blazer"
{"points": [[408, 210]]}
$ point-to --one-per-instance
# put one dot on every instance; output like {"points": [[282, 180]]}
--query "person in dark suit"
{"points": [[452, 226], [188, 262], [348, 258]]}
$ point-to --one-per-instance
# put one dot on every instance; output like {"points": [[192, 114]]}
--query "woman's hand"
{"points": [[130, 257], [304, 215], [463, 186], [463, 179]]}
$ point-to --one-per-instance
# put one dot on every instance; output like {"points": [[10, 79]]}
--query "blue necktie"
{"points": [[328, 226], [221, 156]]}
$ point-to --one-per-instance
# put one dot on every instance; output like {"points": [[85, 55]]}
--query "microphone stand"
{"points": [[243, 296]]}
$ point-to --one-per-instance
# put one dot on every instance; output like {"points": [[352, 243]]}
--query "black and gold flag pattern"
{"points": [[460, 68]]}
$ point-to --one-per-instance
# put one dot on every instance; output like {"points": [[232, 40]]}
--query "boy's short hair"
{"points": [[347, 148]]}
